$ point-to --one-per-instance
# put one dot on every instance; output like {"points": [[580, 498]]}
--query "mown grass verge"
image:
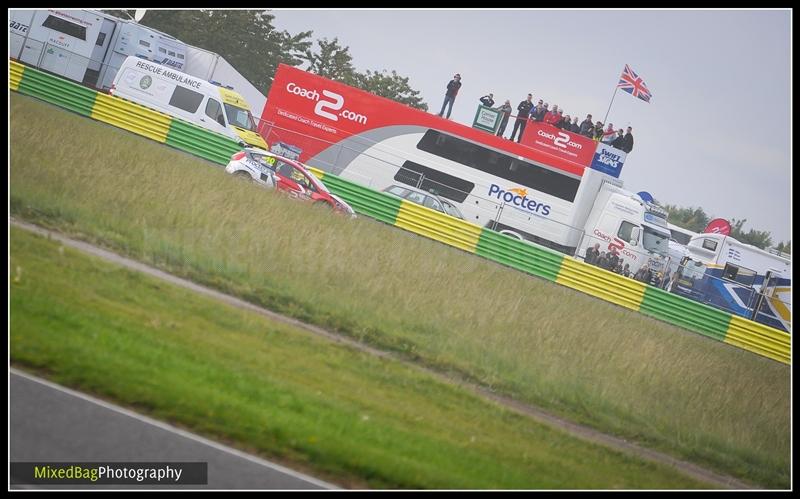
{"points": [[282, 391], [593, 362]]}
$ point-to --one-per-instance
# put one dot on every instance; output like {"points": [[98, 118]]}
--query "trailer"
{"points": [[742, 279]]}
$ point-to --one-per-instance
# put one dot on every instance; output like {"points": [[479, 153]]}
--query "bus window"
{"points": [[445, 185], [524, 173], [710, 244], [741, 275]]}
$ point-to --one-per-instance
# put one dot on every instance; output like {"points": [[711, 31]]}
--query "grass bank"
{"points": [[281, 391], [582, 358]]}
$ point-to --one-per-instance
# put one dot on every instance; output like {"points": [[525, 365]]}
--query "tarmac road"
{"points": [[50, 423]]}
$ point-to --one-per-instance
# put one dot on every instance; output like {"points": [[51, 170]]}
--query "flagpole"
{"points": [[609, 105]]}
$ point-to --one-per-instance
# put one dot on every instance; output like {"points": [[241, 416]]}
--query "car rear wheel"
{"points": [[243, 176]]}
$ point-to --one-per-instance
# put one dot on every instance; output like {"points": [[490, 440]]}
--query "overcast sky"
{"points": [[715, 133]]}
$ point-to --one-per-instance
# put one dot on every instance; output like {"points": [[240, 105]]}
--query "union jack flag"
{"points": [[631, 83]]}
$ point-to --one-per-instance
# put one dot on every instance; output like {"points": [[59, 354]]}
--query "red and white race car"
{"points": [[286, 175]]}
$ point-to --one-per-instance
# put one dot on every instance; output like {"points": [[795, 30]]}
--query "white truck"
{"points": [[87, 46], [636, 231]]}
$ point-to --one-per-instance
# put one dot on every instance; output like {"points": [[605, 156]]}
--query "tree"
{"points": [[335, 62], [392, 86], [758, 238], [784, 247], [694, 219], [332, 61], [245, 38]]}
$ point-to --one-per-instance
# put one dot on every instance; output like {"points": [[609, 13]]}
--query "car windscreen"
{"points": [[240, 117], [451, 210], [655, 241]]}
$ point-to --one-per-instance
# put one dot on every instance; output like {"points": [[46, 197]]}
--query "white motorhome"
{"points": [[194, 100], [737, 277]]}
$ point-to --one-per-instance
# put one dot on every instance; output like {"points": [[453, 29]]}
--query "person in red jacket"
{"points": [[552, 118]]}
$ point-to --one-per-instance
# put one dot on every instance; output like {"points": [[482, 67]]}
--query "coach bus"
{"points": [[540, 190]]}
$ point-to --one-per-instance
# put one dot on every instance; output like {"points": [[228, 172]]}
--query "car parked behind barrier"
{"points": [[286, 175], [427, 199]]}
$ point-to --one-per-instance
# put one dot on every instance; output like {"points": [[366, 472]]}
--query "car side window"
{"points": [[397, 191], [416, 197], [433, 203], [285, 169]]}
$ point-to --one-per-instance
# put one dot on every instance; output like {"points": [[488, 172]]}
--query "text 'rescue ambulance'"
{"points": [[197, 101]]}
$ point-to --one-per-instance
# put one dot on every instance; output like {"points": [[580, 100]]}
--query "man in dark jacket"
{"points": [[523, 110], [619, 140], [541, 111], [488, 100], [506, 110], [587, 127], [627, 141], [535, 111], [450, 95], [592, 254]]}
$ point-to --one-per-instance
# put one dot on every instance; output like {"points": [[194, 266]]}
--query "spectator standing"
{"points": [[488, 100], [613, 259], [626, 270], [565, 122], [541, 111], [535, 111], [609, 134], [506, 110], [575, 127], [587, 128], [619, 140], [627, 144], [592, 254], [644, 275], [450, 95], [598, 130], [552, 117], [523, 111]]}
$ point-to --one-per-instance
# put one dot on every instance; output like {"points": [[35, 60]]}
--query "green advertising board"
{"points": [[487, 119]]}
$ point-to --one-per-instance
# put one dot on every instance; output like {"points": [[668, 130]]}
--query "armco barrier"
{"points": [[200, 142], [132, 117], [436, 225], [601, 283], [57, 91], [15, 72], [535, 260], [690, 314], [521, 256], [365, 201]]}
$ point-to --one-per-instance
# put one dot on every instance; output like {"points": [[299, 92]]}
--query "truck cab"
{"points": [[636, 231]]}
